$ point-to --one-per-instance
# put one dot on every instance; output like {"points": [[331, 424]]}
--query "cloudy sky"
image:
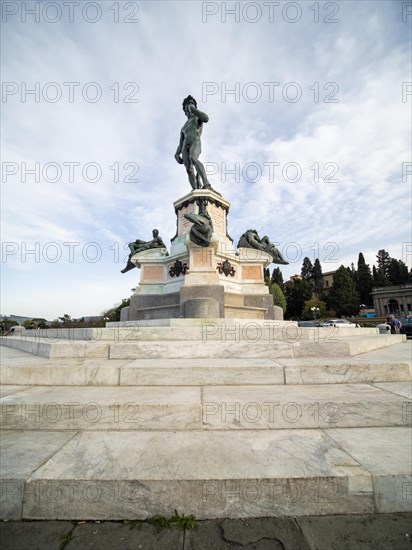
{"points": [[309, 135]]}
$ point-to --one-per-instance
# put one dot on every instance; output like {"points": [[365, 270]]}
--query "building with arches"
{"points": [[393, 299]]}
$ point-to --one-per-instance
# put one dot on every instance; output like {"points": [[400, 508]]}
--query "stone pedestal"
{"points": [[202, 282]]}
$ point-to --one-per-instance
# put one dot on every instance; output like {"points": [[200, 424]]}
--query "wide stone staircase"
{"points": [[227, 418]]}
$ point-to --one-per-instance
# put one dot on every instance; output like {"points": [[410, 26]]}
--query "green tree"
{"points": [[381, 273], [353, 273], [7, 323], [39, 321], [390, 271], [317, 277], [307, 312], [297, 293], [277, 277], [364, 281], [278, 296], [397, 272], [66, 319], [343, 296], [113, 314], [307, 269]]}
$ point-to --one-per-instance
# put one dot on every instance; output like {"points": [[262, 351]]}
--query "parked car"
{"points": [[341, 323], [406, 327], [384, 328], [311, 324]]}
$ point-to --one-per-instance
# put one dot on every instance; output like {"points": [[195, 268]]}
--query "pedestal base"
{"points": [[214, 281], [201, 301]]}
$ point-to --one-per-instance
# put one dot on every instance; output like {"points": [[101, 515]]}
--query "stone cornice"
{"points": [[207, 194]]}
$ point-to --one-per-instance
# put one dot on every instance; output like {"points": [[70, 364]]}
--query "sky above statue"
{"points": [[309, 135]]}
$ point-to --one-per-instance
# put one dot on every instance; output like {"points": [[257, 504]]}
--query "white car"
{"points": [[341, 323], [384, 328]]}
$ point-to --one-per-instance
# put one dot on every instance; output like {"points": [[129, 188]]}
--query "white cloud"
{"points": [[169, 54]]}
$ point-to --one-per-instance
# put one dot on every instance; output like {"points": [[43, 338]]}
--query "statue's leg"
{"points": [[129, 265], [189, 168], [279, 259], [192, 177], [195, 151], [201, 171]]}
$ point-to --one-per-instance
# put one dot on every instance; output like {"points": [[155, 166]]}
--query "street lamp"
{"points": [[315, 310]]}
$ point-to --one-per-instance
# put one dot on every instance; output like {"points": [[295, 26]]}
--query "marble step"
{"points": [[143, 408], [151, 349], [34, 370], [223, 474], [340, 347], [347, 346], [226, 330], [201, 350], [343, 347]]}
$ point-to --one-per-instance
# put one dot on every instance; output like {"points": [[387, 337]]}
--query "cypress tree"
{"points": [[297, 293], [364, 281], [277, 277], [317, 277], [343, 296], [307, 269]]}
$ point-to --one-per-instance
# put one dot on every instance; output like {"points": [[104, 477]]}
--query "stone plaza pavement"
{"points": [[355, 532]]}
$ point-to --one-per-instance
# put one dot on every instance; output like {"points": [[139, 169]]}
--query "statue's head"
{"points": [[189, 99], [155, 233]]}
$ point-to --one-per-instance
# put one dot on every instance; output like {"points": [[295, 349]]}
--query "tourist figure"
{"points": [[394, 323]]}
